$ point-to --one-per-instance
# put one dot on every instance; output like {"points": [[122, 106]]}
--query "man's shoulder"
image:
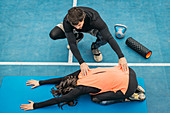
{"points": [[67, 26], [91, 13], [65, 19], [87, 8]]}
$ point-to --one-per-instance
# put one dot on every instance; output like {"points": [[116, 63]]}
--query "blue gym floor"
{"points": [[24, 37]]}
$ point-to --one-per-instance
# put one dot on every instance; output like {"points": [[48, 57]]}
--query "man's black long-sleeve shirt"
{"points": [[91, 21]]}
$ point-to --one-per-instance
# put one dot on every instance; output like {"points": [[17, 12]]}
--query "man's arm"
{"points": [[112, 42], [72, 40], [73, 46], [103, 29]]}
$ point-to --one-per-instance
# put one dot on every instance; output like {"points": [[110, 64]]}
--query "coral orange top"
{"points": [[106, 79]]}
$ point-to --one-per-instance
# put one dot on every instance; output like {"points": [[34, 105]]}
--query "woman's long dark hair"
{"points": [[65, 87]]}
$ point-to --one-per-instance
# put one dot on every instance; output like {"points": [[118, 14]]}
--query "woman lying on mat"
{"points": [[106, 85]]}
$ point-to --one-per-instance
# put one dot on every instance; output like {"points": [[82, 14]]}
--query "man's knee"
{"points": [[52, 35], [57, 33]]}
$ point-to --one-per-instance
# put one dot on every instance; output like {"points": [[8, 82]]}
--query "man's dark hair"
{"points": [[75, 15]]}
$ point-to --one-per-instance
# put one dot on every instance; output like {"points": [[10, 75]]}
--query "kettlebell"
{"points": [[120, 30]]}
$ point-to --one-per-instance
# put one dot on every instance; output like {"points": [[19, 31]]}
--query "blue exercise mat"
{"points": [[14, 92]]}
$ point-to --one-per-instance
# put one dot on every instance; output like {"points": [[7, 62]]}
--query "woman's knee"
{"points": [[107, 102], [57, 33], [96, 100]]}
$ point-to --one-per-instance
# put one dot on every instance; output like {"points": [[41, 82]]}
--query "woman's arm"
{"points": [[79, 90], [58, 80], [36, 83]]}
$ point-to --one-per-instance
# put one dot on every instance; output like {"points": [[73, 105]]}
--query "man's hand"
{"points": [[26, 107], [35, 83], [123, 64], [84, 68]]}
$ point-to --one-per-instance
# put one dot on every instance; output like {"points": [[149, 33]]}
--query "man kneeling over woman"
{"points": [[106, 85]]}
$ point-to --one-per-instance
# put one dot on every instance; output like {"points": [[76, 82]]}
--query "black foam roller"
{"points": [[139, 48]]}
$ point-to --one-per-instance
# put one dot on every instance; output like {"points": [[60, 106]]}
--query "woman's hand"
{"points": [[123, 64], [84, 69], [35, 83], [26, 107]]}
